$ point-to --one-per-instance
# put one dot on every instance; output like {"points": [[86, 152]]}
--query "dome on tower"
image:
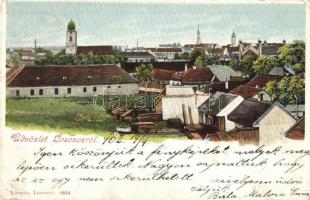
{"points": [[71, 26]]}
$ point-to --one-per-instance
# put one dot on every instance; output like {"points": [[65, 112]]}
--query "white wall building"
{"points": [[178, 97], [274, 123], [68, 81], [229, 125]]}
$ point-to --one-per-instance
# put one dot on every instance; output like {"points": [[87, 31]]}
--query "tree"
{"points": [[246, 65], [233, 63], [290, 90], [264, 64], [16, 58], [200, 62], [294, 55], [193, 55], [271, 88], [143, 72]]}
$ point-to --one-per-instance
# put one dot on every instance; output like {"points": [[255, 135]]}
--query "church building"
{"points": [[72, 47]]}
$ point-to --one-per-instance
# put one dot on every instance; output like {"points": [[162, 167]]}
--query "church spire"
{"points": [[198, 36]]}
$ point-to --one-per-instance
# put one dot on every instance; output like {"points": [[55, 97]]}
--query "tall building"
{"points": [[198, 36], [71, 39], [233, 39]]}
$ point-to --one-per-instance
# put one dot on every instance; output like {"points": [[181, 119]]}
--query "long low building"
{"points": [[67, 81]]}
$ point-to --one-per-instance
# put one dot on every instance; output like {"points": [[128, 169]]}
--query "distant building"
{"points": [[67, 81], [138, 57], [163, 53], [260, 48], [72, 47]]}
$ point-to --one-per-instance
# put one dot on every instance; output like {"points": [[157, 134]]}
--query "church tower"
{"points": [[71, 39], [198, 36], [233, 39]]}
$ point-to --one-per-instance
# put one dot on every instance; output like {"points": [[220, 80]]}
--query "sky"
{"points": [[104, 23]]}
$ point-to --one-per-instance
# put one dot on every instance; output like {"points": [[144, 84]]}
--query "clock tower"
{"points": [[71, 39]]}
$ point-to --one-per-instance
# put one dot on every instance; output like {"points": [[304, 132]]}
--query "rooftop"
{"points": [[248, 112], [260, 81], [246, 91], [96, 50], [69, 75]]}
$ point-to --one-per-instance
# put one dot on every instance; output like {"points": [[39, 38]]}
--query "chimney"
{"points": [[185, 67], [240, 49], [257, 86], [259, 47], [226, 84], [119, 65], [194, 67]]}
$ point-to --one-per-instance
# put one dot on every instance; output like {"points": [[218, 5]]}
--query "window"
{"points": [[109, 86], [17, 93], [94, 89], [69, 90], [41, 92], [56, 91], [31, 92], [70, 38], [84, 89], [119, 86]]}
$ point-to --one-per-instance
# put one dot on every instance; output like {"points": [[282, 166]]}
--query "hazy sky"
{"points": [[153, 24]]}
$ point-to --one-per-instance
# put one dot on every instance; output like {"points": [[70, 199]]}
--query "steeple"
{"points": [[71, 39], [233, 39], [198, 36]]}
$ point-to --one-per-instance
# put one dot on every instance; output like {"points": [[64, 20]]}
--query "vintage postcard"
{"points": [[148, 100]]}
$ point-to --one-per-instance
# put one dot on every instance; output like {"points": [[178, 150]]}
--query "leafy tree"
{"points": [[290, 90], [15, 58], [143, 72], [193, 55], [263, 65], [233, 63], [293, 54], [271, 88], [200, 61], [246, 65]]}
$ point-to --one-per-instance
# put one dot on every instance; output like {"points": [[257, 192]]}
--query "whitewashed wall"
{"points": [[229, 125], [273, 125], [130, 88], [172, 107]]}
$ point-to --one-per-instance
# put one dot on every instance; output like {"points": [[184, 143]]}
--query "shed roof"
{"points": [[223, 72], [198, 76], [261, 80], [246, 91], [218, 101], [297, 131], [248, 112]]}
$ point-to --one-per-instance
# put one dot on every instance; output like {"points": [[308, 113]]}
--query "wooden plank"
{"points": [[190, 115]]}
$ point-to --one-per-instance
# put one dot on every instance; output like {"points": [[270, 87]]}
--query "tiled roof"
{"points": [[163, 49], [260, 81], [248, 112], [223, 72], [70, 75], [221, 86], [270, 50], [162, 74], [246, 91], [297, 131], [198, 75], [140, 54], [96, 50]]}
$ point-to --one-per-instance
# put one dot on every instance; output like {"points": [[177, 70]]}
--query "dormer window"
{"points": [[89, 77], [38, 78], [64, 78]]}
